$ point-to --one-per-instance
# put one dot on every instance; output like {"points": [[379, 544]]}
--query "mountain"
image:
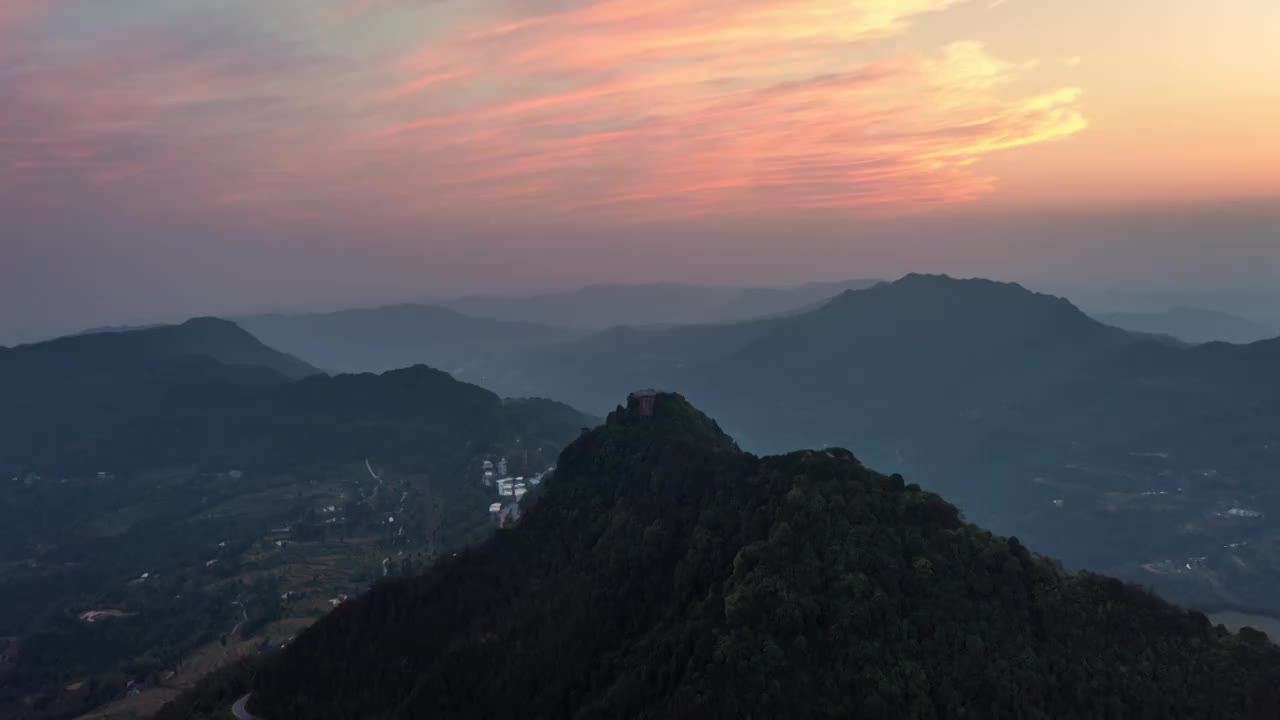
{"points": [[128, 349], [598, 307], [593, 369], [167, 512], [869, 342], [396, 336], [75, 386], [666, 574], [1113, 450], [1193, 325], [1257, 305], [70, 387]]}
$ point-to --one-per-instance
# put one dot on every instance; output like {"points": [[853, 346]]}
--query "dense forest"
{"points": [[665, 573]]}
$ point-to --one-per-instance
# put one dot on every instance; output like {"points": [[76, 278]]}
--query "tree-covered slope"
{"points": [[122, 350], [667, 574], [415, 420], [205, 510], [209, 393], [75, 387]]}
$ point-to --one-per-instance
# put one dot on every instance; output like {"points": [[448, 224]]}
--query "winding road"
{"points": [[240, 712]]}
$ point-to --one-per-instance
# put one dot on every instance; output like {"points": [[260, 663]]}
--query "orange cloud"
{"points": [[676, 107], [637, 109]]}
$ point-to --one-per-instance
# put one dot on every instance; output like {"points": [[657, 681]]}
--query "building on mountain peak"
{"points": [[642, 401]]}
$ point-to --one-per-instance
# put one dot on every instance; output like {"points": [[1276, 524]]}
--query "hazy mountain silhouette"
{"points": [[1193, 325], [896, 329], [597, 307], [208, 391], [396, 336], [105, 350]]}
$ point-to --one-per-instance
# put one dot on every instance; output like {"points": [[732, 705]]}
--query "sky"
{"points": [[162, 158]]}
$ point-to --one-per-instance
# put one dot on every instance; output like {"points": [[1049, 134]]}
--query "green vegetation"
{"points": [[667, 574], [206, 511]]}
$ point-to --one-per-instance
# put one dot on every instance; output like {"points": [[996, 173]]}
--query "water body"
{"points": [[1236, 620]]}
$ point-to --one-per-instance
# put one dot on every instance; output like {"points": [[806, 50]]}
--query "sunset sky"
{"points": [[168, 157]]}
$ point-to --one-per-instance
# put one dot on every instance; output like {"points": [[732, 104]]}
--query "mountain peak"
{"points": [[666, 413], [210, 322], [653, 433], [944, 282], [988, 304]]}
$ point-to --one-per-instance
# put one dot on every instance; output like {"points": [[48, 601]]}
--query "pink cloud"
{"points": [[630, 109], [670, 108]]}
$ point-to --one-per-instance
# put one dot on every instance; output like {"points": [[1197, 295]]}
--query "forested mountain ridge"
{"points": [[667, 574], [62, 392], [163, 512], [118, 350]]}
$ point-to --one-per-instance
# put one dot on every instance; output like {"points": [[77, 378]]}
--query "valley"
{"points": [[191, 586], [168, 514]]}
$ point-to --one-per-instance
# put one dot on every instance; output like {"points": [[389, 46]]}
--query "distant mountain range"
{"points": [[138, 450], [208, 391], [1108, 448], [397, 336], [667, 574], [64, 393], [919, 329], [1026, 411], [480, 336], [1193, 325], [123, 349], [598, 307]]}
